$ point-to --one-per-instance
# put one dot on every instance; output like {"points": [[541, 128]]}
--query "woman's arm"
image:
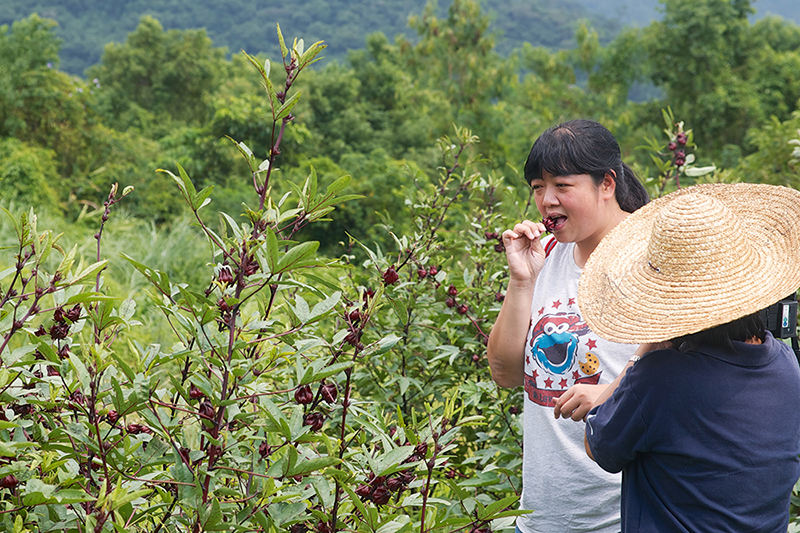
{"points": [[506, 346]]}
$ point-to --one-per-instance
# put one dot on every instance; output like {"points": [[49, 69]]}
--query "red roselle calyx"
{"points": [[195, 393], [421, 449], [329, 392], [206, 410], [74, 314], [381, 495], [9, 482], [353, 337], [303, 395], [390, 277], [315, 420], [451, 290], [463, 309], [364, 490], [450, 301], [225, 275]]}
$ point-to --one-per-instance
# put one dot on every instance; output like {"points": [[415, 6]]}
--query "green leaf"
{"points": [[312, 465], [284, 50], [286, 108], [88, 272], [296, 255]]}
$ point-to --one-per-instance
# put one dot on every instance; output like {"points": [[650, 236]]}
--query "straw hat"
{"points": [[694, 259]]}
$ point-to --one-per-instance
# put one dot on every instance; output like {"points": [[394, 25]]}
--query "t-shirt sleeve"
{"points": [[616, 430]]}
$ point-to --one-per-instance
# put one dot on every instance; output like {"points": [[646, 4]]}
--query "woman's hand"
{"points": [[524, 251], [577, 401]]}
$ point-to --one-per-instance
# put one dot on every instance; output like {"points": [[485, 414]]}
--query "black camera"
{"points": [[780, 319]]}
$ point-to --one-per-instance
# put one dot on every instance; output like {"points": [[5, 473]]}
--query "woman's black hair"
{"points": [[722, 336], [585, 147]]}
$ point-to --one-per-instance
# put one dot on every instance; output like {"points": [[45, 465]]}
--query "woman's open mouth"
{"points": [[554, 222]]}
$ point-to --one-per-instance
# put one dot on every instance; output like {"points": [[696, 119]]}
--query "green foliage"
{"points": [[157, 75], [268, 410], [26, 174]]}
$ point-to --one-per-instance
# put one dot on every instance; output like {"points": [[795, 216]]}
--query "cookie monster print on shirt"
{"points": [[559, 353]]}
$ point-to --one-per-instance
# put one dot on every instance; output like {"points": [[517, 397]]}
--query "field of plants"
{"points": [[254, 294]]}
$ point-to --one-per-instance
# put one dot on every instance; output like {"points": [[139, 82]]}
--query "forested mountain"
{"points": [[87, 26]]}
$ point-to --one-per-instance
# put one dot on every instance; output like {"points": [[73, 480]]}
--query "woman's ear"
{"points": [[608, 187]]}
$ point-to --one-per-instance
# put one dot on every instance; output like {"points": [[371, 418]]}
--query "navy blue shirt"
{"points": [[706, 441]]}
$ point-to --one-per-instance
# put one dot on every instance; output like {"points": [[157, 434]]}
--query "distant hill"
{"points": [[87, 26]]}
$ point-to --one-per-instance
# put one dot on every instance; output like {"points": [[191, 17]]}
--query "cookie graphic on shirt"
{"points": [[591, 365]]}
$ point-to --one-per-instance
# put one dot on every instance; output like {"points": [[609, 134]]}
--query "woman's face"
{"points": [[576, 206]]}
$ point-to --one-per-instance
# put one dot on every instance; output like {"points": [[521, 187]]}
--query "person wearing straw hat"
{"points": [[540, 342], [706, 427]]}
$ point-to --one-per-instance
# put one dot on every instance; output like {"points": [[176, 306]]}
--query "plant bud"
{"points": [[63, 352], [195, 393], [355, 316], [672, 146], [353, 337], [463, 309], [381, 495], [303, 395], [315, 420], [59, 331], [74, 314], [451, 290], [264, 449], [9, 482], [499, 297], [475, 358], [499, 247], [422, 273], [364, 491], [394, 484], [112, 417], [681, 137], [450, 302], [225, 275], [299, 527], [432, 271], [329, 392], [58, 314], [390, 277], [421, 449], [206, 410]]}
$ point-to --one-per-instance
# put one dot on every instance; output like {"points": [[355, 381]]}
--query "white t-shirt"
{"points": [[567, 491]]}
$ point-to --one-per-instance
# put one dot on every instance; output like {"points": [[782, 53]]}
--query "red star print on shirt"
{"points": [[563, 383], [591, 344], [527, 359], [548, 383], [576, 375], [571, 301], [535, 374], [541, 311], [557, 304]]}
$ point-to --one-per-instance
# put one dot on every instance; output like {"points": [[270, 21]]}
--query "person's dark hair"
{"points": [[722, 336], [585, 147]]}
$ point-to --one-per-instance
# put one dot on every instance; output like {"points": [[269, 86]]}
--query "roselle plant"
{"points": [[299, 393], [674, 160]]}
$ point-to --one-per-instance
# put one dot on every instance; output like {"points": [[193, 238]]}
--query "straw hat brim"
{"points": [[683, 263]]}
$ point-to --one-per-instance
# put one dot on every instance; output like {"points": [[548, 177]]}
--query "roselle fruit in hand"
{"points": [[549, 224]]}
